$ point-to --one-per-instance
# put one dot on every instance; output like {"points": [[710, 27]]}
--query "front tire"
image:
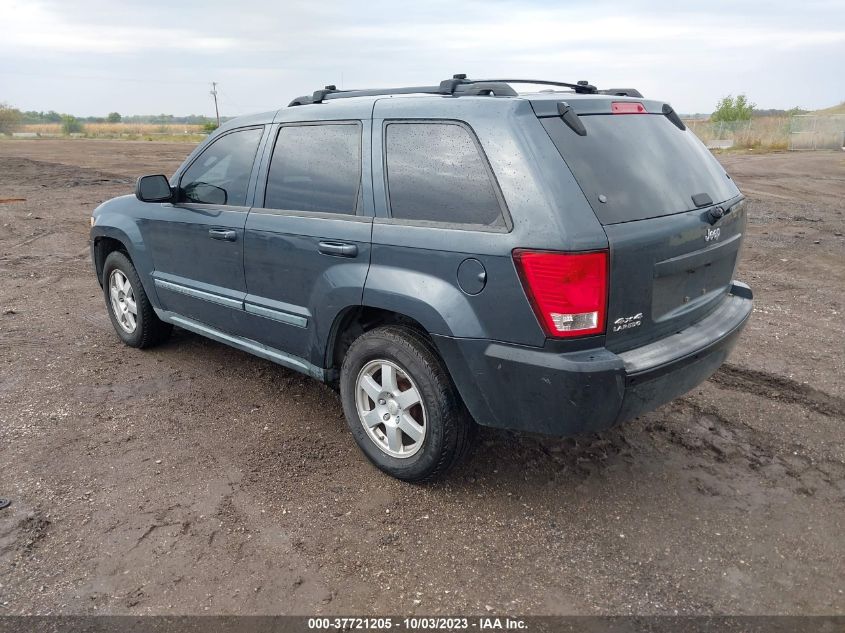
{"points": [[401, 406], [130, 310]]}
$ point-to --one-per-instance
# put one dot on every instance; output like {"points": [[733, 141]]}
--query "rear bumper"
{"points": [[539, 390]]}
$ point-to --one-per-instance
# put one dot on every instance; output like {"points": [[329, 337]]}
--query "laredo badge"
{"points": [[628, 322]]}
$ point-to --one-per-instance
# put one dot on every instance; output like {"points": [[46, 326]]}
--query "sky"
{"points": [[92, 57]]}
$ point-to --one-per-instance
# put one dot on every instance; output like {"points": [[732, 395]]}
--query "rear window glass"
{"points": [[435, 173], [315, 168], [641, 164]]}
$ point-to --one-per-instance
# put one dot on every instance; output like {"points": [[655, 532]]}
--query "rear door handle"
{"points": [[223, 234], [338, 249]]}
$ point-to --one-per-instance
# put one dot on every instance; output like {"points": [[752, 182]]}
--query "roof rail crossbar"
{"points": [[621, 92], [324, 95], [459, 85], [497, 88], [582, 87]]}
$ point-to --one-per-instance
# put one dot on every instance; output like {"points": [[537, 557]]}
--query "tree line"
{"points": [[51, 116], [11, 118]]}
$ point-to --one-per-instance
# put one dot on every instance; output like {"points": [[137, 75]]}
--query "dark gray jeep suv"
{"points": [[445, 255]]}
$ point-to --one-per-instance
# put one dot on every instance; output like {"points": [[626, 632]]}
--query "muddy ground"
{"points": [[194, 478]]}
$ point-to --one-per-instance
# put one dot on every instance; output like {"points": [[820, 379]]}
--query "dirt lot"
{"points": [[197, 479]]}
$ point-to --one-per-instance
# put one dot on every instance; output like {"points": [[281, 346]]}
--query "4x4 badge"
{"points": [[626, 323]]}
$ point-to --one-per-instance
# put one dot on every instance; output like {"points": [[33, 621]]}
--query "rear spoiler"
{"points": [[570, 110]]}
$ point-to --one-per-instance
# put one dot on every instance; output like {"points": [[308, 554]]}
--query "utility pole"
{"points": [[214, 94]]}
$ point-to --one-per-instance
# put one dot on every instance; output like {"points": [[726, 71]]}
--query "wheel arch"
{"points": [[106, 239], [102, 247], [353, 321]]}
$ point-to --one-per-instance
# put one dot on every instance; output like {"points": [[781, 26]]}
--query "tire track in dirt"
{"points": [[773, 387], [729, 443], [61, 175]]}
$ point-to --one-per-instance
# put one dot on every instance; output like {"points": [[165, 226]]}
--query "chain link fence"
{"points": [[760, 132], [811, 131], [798, 132]]}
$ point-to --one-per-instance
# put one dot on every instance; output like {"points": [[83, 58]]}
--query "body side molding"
{"points": [[247, 345]]}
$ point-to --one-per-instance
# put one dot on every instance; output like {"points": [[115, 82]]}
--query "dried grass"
{"points": [[769, 133], [119, 130]]}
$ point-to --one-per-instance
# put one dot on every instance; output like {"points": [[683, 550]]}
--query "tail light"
{"points": [[628, 107], [568, 291]]}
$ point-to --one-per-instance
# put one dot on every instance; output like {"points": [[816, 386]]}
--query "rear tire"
{"points": [[131, 312], [401, 406]]}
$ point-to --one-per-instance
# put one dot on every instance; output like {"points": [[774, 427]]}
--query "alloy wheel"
{"points": [[123, 303], [390, 408]]}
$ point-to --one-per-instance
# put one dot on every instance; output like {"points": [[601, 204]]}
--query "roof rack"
{"points": [[458, 85], [582, 87], [622, 92]]}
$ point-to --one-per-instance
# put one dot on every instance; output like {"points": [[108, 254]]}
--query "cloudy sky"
{"points": [[90, 57]]}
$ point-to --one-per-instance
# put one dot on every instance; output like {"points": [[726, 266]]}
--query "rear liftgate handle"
{"points": [[338, 249], [226, 235]]}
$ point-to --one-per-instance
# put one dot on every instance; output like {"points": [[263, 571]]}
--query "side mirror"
{"points": [[153, 189]]}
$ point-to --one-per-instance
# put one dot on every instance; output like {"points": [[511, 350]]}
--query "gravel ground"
{"points": [[194, 478]]}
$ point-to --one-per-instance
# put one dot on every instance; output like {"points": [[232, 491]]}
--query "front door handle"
{"points": [[223, 234], [338, 249]]}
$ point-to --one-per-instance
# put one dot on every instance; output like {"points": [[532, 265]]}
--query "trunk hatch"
{"points": [[671, 261], [665, 273]]}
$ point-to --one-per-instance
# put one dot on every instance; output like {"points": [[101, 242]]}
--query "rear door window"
{"points": [[638, 166], [315, 168], [221, 173], [436, 173]]}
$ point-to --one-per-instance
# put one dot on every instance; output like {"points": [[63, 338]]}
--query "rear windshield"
{"points": [[641, 165]]}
